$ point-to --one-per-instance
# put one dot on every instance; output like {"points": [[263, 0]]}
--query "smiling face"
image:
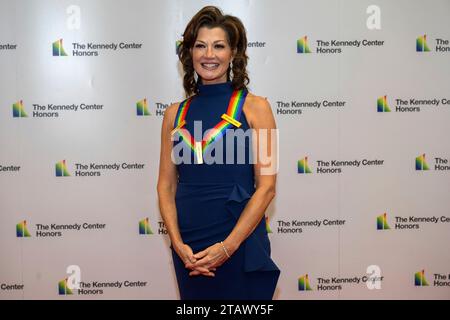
{"points": [[211, 55]]}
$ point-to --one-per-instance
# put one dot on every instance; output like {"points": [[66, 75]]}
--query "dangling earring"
{"points": [[195, 77], [231, 70]]}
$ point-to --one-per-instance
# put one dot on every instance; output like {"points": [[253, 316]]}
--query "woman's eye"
{"points": [[220, 46], [198, 45]]}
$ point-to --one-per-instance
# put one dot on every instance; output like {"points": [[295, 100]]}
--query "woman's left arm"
{"points": [[265, 153]]}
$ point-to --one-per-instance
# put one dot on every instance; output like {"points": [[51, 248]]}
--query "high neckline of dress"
{"points": [[214, 89]]}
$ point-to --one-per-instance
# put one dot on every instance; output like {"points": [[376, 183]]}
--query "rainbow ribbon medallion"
{"points": [[230, 118], [234, 112]]}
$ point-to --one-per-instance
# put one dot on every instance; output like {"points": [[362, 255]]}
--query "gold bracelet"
{"points": [[224, 249]]}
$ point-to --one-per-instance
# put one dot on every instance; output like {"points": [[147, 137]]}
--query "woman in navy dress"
{"points": [[213, 188]]}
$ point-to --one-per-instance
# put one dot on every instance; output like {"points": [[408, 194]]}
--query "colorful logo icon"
{"points": [[144, 227], [142, 108], [421, 44], [267, 225], [302, 166], [382, 105], [421, 164], [63, 288], [419, 279], [19, 110], [22, 230], [303, 283], [61, 169], [382, 222], [302, 45], [58, 50]]}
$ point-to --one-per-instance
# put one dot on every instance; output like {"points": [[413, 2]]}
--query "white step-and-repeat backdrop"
{"points": [[360, 92]]}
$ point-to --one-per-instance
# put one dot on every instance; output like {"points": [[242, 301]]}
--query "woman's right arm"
{"points": [[167, 180]]}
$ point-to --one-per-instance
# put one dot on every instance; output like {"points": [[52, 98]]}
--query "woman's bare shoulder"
{"points": [[171, 112], [172, 108], [256, 108], [257, 103]]}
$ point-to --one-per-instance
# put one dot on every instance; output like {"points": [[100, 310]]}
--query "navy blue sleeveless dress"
{"points": [[209, 200]]}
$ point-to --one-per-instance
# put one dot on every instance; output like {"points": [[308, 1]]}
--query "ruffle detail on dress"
{"points": [[256, 255]]}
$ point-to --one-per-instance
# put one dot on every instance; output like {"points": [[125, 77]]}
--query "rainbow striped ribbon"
{"points": [[230, 118]]}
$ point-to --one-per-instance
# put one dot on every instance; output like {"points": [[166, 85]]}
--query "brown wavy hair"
{"points": [[212, 17]]}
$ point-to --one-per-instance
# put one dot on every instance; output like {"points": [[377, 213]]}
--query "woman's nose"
{"points": [[209, 52]]}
